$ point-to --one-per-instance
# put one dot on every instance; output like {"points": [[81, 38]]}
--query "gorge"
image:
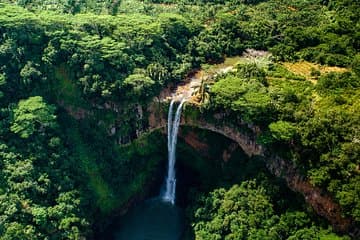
{"points": [[246, 138], [165, 119]]}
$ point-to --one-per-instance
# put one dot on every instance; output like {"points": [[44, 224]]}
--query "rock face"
{"points": [[193, 140], [246, 142], [157, 120], [322, 202]]}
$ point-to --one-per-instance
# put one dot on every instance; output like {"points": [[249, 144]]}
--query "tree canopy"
{"points": [[77, 77]]}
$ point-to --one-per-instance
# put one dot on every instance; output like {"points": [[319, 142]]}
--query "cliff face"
{"points": [[158, 119], [322, 203], [245, 141]]}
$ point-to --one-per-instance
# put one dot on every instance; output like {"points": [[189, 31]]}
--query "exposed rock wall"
{"points": [[195, 142], [246, 142]]}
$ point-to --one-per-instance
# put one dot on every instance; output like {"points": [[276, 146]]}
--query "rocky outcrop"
{"points": [[193, 140], [246, 142], [157, 120], [229, 151]]}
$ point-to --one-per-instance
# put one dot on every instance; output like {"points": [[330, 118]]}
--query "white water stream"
{"points": [[173, 128]]}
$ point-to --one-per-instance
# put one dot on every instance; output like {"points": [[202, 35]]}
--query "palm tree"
{"points": [[201, 93]]}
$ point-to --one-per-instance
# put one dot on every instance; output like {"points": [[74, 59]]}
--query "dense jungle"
{"points": [[269, 140]]}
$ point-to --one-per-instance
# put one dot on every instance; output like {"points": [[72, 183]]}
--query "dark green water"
{"points": [[151, 220]]}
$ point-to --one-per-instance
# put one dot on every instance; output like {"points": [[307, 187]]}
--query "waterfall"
{"points": [[173, 128], [169, 130]]}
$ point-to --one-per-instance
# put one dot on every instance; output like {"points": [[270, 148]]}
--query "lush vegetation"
{"points": [[318, 122], [246, 211], [76, 78]]}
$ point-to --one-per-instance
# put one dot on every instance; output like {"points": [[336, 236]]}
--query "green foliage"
{"points": [[71, 6], [337, 82], [40, 198], [2, 82], [234, 214], [279, 71], [282, 130], [139, 85], [29, 73], [244, 93], [85, 45], [246, 212], [356, 65], [251, 71], [31, 115]]}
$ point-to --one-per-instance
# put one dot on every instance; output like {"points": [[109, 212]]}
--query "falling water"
{"points": [[173, 128], [169, 130]]}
